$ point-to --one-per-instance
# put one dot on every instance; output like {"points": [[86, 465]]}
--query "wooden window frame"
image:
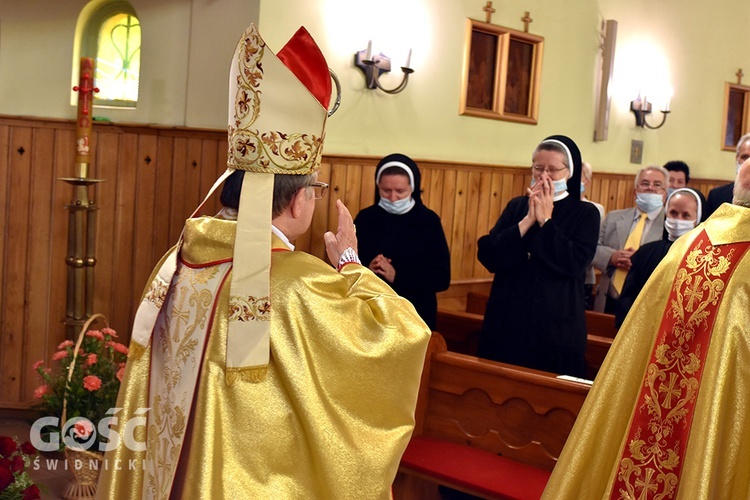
{"points": [[730, 120], [504, 72]]}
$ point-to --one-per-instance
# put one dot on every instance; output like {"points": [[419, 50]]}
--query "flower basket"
{"points": [[85, 466], [82, 463], [81, 384]]}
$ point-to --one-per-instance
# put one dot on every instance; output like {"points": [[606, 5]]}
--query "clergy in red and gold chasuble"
{"points": [[668, 413]]}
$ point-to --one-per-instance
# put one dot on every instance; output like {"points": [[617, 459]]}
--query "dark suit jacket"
{"points": [[717, 196]]}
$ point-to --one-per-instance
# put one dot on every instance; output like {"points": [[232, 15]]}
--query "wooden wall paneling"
{"points": [[40, 258], [367, 191], [163, 167], [209, 160], [105, 195], [457, 238], [5, 154], [62, 196], [424, 184], [483, 220], [178, 204], [144, 213], [123, 291], [625, 194], [13, 308], [193, 194], [471, 224], [446, 212], [352, 193], [434, 199]]}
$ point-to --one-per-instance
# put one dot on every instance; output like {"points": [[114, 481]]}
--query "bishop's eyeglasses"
{"points": [[319, 189]]}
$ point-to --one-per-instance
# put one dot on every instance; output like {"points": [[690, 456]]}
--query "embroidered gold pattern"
{"points": [[651, 463], [249, 308], [156, 292], [179, 340], [269, 151]]}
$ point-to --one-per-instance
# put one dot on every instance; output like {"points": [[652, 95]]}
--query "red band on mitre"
{"points": [[303, 58]]}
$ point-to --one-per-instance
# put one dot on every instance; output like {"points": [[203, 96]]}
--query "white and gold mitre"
{"points": [[277, 112], [278, 105]]}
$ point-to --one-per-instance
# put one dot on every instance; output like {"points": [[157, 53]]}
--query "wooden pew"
{"points": [[461, 331], [597, 323], [485, 428]]}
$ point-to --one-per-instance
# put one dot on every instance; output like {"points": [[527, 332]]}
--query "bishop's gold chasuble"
{"points": [[332, 417], [668, 413]]}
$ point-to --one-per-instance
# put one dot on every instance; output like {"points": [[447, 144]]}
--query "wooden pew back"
{"points": [[520, 413]]}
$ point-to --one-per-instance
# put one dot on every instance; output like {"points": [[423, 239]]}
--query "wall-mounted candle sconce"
{"points": [[374, 65], [641, 108]]}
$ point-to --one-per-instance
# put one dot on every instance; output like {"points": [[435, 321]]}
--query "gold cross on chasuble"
{"points": [[633, 241]]}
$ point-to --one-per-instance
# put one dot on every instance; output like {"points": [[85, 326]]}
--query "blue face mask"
{"points": [[583, 187], [648, 202], [670, 191], [398, 207], [560, 186]]}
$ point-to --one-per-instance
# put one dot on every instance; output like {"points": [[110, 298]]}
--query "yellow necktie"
{"points": [[633, 241]]}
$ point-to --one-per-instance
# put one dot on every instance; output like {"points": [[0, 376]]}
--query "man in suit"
{"points": [[723, 194], [623, 231]]}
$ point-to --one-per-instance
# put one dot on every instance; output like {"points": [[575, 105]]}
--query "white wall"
{"points": [[188, 44]]}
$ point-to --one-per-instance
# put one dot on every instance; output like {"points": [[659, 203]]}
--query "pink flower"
{"points": [[122, 349], [92, 382], [120, 373], [37, 364], [91, 359], [63, 345], [96, 334], [83, 429], [40, 391], [110, 332], [59, 355]]}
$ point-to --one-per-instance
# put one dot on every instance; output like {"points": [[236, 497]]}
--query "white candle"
{"points": [[408, 60], [368, 54], [666, 104]]}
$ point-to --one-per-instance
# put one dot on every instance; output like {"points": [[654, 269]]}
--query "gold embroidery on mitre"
{"points": [[249, 308], [651, 463], [271, 151], [156, 292]]}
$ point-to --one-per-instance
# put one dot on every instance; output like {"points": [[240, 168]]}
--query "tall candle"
{"points": [[368, 54], [408, 60]]}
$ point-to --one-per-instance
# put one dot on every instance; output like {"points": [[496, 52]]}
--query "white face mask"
{"points": [[398, 207], [648, 202], [677, 227]]}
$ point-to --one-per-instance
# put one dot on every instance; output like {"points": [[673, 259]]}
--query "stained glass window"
{"points": [[118, 60], [112, 37]]}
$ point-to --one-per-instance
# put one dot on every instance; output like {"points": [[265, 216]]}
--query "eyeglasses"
{"points": [[644, 184], [319, 189], [538, 169]]}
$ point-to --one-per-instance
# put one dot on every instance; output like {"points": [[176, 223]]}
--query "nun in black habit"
{"points": [[539, 251], [402, 240]]}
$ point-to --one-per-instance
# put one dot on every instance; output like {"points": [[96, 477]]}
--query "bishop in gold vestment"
{"points": [[265, 372], [669, 412]]}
